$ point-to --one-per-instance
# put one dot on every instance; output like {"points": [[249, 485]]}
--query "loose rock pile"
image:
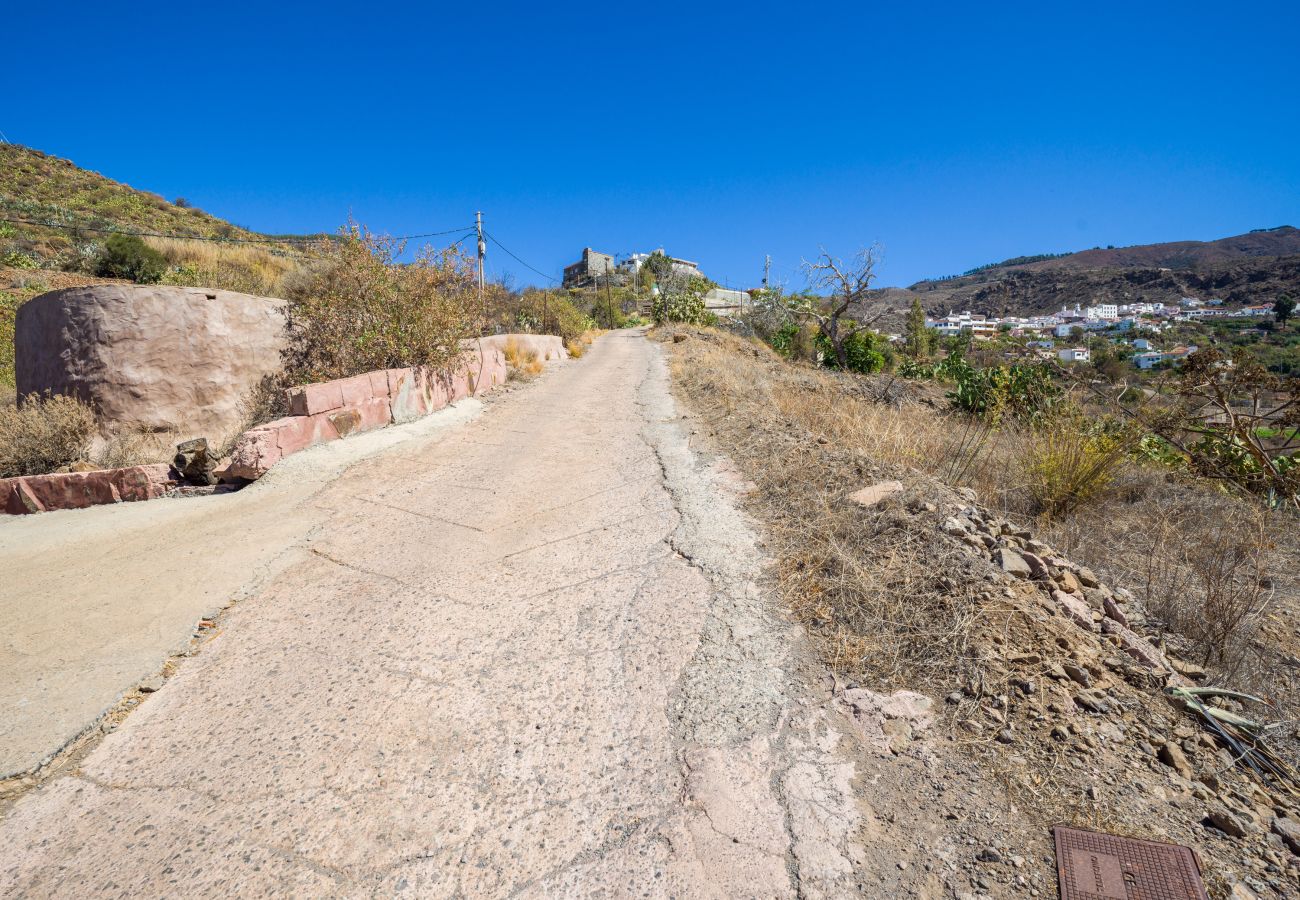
{"points": [[1073, 711]]}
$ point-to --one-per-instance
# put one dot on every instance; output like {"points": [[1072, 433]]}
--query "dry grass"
{"points": [[44, 434], [880, 595], [137, 446], [247, 268], [523, 364], [1193, 553], [579, 345]]}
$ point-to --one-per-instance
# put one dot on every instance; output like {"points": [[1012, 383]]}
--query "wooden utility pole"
{"points": [[482, 252]]}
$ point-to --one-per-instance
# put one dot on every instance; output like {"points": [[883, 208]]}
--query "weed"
{"points": [[44, 433]]}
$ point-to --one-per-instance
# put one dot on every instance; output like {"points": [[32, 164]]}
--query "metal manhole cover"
{"points": [[1094, 866]]}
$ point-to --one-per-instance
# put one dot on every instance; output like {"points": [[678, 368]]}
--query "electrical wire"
{"points": [[219, 240], [549, 278]]}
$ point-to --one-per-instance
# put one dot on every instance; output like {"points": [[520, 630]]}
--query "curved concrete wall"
{"points": [[150, 356], [546, 346]]}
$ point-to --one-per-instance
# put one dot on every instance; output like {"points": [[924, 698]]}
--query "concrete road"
{"points": [[521, 655]]}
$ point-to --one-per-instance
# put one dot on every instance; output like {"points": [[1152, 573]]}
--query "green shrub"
{"points": [[681, 303], [550, 312], [1024, 392], [360, 309], [127, 256], [864, 352], [43, 434]]}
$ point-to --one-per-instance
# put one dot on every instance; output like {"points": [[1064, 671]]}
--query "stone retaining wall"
{"points": [[332, 410], [77, 490], [320, 412]]}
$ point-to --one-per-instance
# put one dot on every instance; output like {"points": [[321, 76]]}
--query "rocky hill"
{"points": [[1247, 268]]}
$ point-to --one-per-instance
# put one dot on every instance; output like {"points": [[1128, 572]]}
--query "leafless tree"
{"points": [[847, 284]]}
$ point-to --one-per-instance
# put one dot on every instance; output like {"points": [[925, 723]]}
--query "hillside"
{"points": [[1243, 269], [35, 186], [1281, 241], [82, 206]]}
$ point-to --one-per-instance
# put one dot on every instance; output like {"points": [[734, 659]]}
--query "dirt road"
{"points": [[521, 656]]}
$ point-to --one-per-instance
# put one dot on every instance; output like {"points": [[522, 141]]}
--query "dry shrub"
{"points": [[1207, 580], [1068, 464], [360, 309], [44, 433], [882, 597], [582, 343], [136, 447], [524, 364], [264, 402]]}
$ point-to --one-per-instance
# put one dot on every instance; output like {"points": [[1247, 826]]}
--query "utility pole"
{"points": [[767, 270], [609, 309], [482, 252]]}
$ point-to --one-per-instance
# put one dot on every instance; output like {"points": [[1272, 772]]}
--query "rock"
{"points": [[193, 462], [154, 357], [874, 493], [1065, 578], [1137, 647], [956, 527], [1078, 674], [1092, 701], [1074, 608], [1228, 822], [1172, 755], [1187, 669], [1006, 737], [889, 722], [1113, 611], [1087, 578], [679, 336], [1095, 597], [1012, 563], [152, 684], [1289, 831], [1037, 568], [989, 855], [1060, 733], [968, 494]]}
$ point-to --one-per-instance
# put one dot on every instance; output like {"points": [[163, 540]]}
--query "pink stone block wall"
{"points": [[335, 409], [78, 490]]}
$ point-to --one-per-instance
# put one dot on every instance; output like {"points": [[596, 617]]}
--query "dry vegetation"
{"points": [[895, 602], [44, 434], [248, 268]]}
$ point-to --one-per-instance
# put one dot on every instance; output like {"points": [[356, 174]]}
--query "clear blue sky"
{"points": [[952, 135]]}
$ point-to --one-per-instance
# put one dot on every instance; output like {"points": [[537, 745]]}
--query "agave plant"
{"points": [[1240, 734]]}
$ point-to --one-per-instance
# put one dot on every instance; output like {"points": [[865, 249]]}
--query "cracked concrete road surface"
{"points": [[526, 655]]}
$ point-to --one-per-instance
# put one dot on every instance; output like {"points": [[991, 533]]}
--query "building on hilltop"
{"points": [[585, 271], [632, 265]]}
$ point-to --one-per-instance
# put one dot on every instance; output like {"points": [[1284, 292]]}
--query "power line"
{"points": [[219, 240], [518, 260]]}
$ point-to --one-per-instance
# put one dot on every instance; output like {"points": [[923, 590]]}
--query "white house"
{"points": [[1141, 344], [954, 323], [1102, 311], [1148, 360], [1074, 354]]}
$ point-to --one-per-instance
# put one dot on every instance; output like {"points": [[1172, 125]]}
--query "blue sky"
{"points": [[953, 135]]}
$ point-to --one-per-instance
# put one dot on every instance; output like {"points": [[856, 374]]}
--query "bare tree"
{"points": [[847, 284]]}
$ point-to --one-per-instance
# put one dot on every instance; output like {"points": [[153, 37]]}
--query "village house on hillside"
{"points": [[596, 265], [593, 264]]}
